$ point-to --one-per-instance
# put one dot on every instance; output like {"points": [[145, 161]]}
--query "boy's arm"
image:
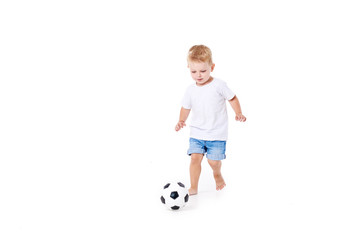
{"points": [[182, 119], [237, 109]]}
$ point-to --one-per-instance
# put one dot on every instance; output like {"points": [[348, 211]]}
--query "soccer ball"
{"points": [[174, 195]]}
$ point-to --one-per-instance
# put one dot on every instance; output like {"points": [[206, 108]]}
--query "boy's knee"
{"points": [[214, 163], [196, 158]]}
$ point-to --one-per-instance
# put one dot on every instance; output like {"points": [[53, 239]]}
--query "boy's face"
{"points": [[200, 72]]}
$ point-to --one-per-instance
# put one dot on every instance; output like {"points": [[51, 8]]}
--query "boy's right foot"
{"points": [[192, 191], [220, 184]]}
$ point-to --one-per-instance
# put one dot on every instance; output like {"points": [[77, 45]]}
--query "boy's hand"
{"points": [[180, 125], [240, 117]]}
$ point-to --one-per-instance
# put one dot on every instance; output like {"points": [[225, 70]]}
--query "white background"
{"points": [[90, 93]]}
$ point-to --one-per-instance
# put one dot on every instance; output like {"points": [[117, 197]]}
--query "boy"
{"points": [[206, 99]]}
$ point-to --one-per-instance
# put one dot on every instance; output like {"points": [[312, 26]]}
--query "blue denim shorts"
{"points": [[216, 150]]}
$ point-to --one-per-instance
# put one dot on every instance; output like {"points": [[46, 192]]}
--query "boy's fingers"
{"points": [[179, 126], [241, 118]]}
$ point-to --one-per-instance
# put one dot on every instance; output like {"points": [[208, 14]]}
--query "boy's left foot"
{"points": [[220, 184], [192, 191]]}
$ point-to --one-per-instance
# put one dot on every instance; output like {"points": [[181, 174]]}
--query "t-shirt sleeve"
{"points": [[225, 91], [186, 100]]}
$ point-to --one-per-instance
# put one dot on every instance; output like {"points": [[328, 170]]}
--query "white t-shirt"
{"points": [[208, 110]]}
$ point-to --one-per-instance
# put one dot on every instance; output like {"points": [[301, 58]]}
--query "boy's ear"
{"points": [[213, 65]]}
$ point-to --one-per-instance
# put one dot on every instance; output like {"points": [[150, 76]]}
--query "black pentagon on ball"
{"points": [[166, 186], [186, 198], [174, 195], [181, 184], [175, 207], [163, 200]]}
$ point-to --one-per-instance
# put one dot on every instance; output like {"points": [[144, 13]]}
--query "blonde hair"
{"points": [[200, 53]]}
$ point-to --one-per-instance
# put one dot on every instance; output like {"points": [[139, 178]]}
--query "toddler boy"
{"points": [[206, 99]]}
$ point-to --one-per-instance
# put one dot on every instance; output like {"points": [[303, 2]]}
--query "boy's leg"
{"points": [[195, 171], [216, 167]]}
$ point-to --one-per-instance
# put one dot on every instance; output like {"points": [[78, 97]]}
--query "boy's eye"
{"points": [[203, 71], [193, 71]]}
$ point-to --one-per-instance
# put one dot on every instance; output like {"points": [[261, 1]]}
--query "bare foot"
{"points": [[192, 191], [220, 184]]}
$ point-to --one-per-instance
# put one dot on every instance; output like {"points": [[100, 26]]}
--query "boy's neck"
{"points": [[208, 82]]}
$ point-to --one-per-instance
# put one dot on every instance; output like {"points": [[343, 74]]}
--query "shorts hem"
{"points": [[195, 150], [216, 157]]}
